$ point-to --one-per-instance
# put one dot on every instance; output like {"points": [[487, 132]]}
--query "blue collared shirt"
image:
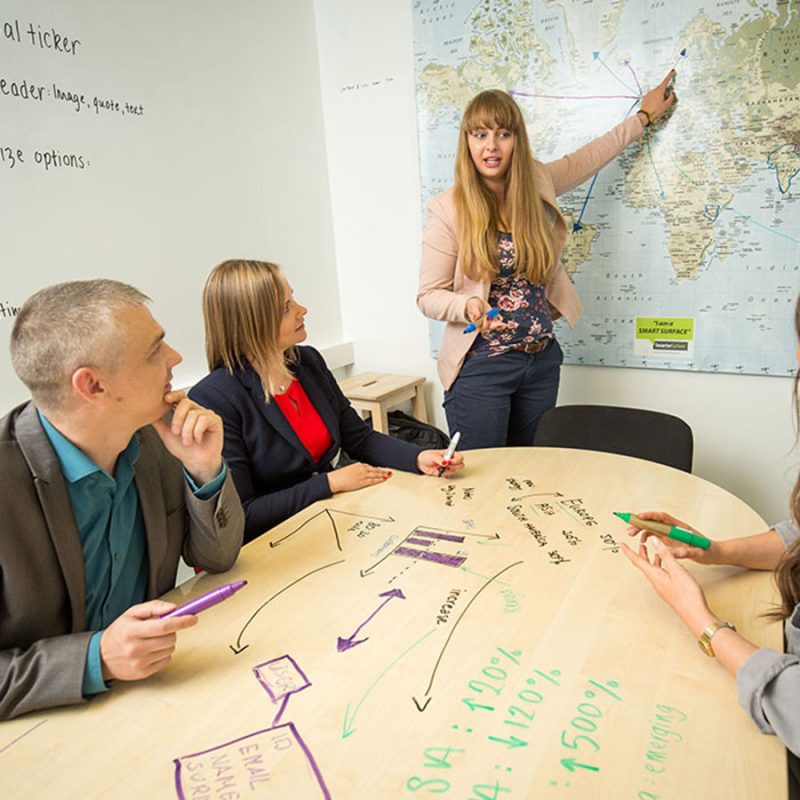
{"points": [[113, 537]]}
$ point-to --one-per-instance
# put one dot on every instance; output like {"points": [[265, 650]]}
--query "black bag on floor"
{"points": [[410, 429], [403, 426]]}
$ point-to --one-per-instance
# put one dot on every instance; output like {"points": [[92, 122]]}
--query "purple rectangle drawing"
{"points": [[281, 677], [269, 763], [427, 555], [417, 540], [447, 537]]}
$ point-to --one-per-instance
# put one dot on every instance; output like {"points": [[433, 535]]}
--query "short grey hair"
{"points": [[67, 326]]}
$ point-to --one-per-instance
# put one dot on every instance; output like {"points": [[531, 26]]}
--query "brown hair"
{"points": [[242, 311], [787, 573], [476, 205]]}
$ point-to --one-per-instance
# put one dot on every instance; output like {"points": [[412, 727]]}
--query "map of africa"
{"points": [[686, 249]]}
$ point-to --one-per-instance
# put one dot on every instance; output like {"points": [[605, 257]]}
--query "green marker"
{"points": [[671, 531]]}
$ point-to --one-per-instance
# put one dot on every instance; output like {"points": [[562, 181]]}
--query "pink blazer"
{"points": [[443, 287]]}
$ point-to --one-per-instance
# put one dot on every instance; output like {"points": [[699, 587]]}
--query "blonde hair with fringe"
{"points": [[476, 205], [242, 311]]}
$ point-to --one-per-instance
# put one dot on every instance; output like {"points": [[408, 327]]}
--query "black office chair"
{"points": [[650, 435]]}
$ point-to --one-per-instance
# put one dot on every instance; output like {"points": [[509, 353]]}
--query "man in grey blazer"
{"points": [[102, 491]]}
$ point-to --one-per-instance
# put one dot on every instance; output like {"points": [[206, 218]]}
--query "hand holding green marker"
{"points": [[670, 531]]}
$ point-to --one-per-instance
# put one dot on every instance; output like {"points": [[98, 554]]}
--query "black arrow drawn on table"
{"points": [[351, 641], [333, 522], [537, 494], [422, 705], [239, 647], [419, 530]]}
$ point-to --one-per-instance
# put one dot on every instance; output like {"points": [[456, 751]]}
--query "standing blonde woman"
{"points": [[285, 418], [493, 241]]}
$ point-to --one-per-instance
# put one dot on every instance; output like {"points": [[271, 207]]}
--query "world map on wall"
{"points": [[686, 249]]}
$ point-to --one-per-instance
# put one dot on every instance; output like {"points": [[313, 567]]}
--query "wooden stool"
{"points": [[377, 392]]}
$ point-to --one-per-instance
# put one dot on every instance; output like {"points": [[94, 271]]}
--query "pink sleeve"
{"points": [[573, 169], [436, 296]]}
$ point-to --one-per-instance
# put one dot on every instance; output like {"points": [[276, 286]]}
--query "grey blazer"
{"points": [[42, 583]]}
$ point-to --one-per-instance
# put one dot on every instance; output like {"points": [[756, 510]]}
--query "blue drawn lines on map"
{"points": [[647, 138], [596, 55], [577, 224], [711, 212], [636, 96], [728, 207], [762, 226], [785, 160]]}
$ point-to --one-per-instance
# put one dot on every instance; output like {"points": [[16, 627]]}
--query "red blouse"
{"points": [[304, 419]]}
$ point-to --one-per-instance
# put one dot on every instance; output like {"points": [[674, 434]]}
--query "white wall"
{"points": [[742, 424], [228, 159]]}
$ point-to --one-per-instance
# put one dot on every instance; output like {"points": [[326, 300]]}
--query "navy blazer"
{"points": [[274, 473]]}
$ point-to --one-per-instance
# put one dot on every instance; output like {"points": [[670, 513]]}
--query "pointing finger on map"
{"points": [[657, 100]]}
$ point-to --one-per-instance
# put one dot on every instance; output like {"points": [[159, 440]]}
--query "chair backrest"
{"points": [[650, 435]]}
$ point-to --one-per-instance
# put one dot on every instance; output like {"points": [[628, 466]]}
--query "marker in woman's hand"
{"points": [[490, 314], [449, 453]]}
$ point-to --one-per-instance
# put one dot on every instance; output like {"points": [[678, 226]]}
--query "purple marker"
{"points": [[206, 600]]}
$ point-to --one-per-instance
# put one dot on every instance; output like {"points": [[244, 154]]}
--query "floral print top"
{"points": [[524, 309]]}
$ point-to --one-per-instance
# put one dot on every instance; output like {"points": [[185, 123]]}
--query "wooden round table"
{"points": [[480, 637]]}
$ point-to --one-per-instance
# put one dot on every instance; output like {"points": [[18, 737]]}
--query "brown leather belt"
{"points": [[533, 347]]}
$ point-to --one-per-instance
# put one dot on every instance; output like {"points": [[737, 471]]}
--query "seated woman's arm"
{"points": [[767, 682], [759, 551]]}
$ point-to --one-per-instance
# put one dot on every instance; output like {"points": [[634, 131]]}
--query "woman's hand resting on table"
{"points": [[356, 476]]}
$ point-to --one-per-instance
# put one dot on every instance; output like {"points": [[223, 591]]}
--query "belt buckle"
{"points": [[537, 346]]}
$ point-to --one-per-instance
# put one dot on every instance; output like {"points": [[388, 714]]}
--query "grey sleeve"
{"points": [[46, 674], [768, 685], [788, 531], [216, 528]]}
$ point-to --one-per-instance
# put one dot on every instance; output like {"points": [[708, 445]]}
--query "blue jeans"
{"points": [[497, 402]]}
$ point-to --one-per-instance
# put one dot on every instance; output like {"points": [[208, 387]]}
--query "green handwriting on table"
{"points": [[576, 737], [662, 735], [502, 664]]}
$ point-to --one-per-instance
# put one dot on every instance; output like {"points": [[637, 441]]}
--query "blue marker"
{"points": [[490, 314]]}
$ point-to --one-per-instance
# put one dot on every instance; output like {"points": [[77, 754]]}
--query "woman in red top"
{"points": [[285, 417]]}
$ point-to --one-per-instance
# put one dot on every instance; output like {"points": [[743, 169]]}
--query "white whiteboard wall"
{"points": [[226, 159]]}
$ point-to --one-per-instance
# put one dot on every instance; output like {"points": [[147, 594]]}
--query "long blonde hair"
{"points": [[787, 573], [476, 205], [242, 311]]}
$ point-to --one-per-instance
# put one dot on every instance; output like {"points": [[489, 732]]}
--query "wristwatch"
{"points": [[705, 637]]}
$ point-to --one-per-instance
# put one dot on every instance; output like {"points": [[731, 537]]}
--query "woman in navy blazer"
{"points": [[285, 417]]}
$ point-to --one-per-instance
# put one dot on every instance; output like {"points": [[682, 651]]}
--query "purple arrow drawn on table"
{"points": [[346, 644]]}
